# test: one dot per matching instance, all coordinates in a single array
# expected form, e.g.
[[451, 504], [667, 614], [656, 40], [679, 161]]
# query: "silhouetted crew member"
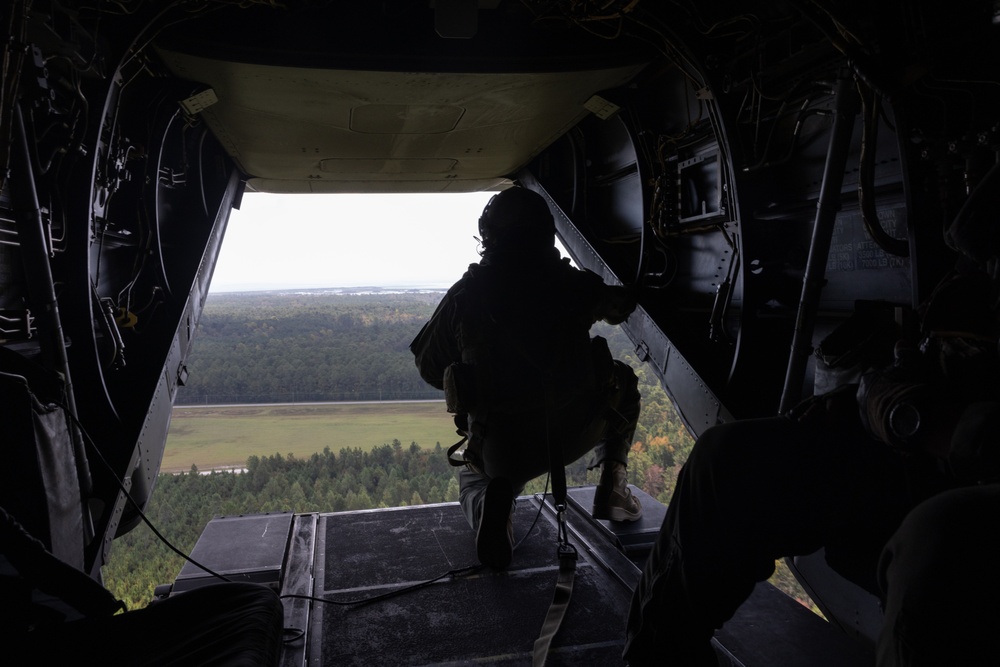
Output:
[[898, 478], [510, 345]]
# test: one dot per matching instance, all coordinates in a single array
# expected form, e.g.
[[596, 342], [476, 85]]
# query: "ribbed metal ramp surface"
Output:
[[488, 616], [491, 617]]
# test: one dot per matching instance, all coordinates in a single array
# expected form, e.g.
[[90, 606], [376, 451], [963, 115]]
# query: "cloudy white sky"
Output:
[[308, 241]]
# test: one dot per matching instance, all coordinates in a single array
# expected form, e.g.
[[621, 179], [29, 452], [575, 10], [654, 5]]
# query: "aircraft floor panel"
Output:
[[490, 616], [484, 616]]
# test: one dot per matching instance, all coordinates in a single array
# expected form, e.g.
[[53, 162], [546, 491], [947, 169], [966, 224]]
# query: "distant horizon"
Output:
[[248, 288], [352, 289]]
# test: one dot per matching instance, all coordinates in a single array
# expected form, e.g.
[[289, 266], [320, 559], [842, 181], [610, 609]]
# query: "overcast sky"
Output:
[[307, 241]]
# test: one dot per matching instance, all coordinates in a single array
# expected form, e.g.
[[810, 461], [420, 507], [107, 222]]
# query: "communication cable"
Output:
[[121, 486], [461, 571]]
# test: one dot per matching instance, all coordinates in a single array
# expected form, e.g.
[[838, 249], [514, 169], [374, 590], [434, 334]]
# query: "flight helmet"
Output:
[[516, 217]]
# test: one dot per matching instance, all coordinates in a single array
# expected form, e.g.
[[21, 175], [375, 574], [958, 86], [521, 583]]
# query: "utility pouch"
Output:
[[460, 387]]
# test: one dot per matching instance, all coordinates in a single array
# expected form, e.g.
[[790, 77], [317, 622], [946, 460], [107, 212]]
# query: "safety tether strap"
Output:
[[560, 602], [565, 551]]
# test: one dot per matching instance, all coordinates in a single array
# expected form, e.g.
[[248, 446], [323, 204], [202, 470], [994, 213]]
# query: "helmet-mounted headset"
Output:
[[516, 215]]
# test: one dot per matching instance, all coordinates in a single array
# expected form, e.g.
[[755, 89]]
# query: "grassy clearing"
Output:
[[216, 437]]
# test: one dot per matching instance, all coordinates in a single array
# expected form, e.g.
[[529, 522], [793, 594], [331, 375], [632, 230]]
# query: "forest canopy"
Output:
[[276, 347]]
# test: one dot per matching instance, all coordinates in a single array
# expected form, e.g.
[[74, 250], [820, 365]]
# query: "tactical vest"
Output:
[[525, 340]]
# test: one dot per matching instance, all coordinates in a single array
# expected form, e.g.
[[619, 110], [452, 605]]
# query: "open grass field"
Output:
[[224, 436]]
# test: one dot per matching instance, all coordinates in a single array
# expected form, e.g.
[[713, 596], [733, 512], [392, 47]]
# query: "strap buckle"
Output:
[[564, 549], [566, 552]]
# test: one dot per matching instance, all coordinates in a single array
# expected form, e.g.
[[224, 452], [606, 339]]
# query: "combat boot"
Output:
[[613, 498]]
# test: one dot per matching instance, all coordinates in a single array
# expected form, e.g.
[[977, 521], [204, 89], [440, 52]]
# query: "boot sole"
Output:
[[615, 514], [604, 510]]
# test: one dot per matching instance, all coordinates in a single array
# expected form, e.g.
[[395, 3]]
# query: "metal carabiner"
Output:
[[564, 549]]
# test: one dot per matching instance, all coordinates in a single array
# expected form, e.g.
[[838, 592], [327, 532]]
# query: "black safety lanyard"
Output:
[[565, 551]]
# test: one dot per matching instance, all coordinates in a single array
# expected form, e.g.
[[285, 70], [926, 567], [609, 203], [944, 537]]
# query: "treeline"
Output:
[[276, 347], [287, 348]]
